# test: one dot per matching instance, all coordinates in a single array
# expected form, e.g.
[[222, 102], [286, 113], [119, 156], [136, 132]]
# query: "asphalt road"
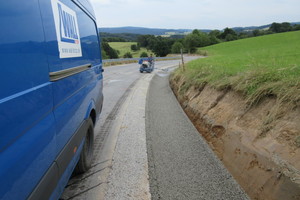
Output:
[[119, 83], [145, 146]]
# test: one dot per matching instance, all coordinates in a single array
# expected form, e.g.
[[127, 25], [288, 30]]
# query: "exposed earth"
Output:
[[261, 151]]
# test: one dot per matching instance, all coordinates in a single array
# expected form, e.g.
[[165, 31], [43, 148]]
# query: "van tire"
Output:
[[86, 155]]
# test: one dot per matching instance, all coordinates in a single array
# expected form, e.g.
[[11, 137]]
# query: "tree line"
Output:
[[163, 46], [118, 37]]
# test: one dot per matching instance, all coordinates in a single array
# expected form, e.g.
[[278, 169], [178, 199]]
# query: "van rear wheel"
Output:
[[86, 155]]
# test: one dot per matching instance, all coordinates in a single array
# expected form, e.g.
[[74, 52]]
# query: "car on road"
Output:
[[50, 95]]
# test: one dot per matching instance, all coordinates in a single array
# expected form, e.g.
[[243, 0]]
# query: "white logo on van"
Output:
[[67, 31]]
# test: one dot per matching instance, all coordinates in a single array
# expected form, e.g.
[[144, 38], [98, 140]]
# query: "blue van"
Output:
[[50, 95]]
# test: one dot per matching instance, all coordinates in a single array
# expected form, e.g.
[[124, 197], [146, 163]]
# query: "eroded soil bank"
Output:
[[262, 154]]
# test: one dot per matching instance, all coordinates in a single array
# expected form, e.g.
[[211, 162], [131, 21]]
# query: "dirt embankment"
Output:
[[263, 154]]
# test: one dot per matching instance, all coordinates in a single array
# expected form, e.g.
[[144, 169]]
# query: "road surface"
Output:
[[181, 164], [146, 147]]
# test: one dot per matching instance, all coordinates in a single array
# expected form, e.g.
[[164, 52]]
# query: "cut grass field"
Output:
[[124, 47], [256, 67]]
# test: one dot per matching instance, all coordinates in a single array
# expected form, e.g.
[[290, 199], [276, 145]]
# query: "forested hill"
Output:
[[142, 30], [119, 37], [158, 31], [252, 28]]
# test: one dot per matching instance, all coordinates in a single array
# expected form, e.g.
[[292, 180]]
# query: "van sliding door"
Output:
[[27, 131], [74, 62]]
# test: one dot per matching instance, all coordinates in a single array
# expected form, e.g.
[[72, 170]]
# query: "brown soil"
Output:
[[260, 151]]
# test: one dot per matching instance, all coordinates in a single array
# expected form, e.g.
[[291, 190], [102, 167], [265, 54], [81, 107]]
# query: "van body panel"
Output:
[[25, 161], [42, 119], [21, 48], [57, 176], [70, 113], [72, 95], [45, 187], [27, 125], [31, 106]]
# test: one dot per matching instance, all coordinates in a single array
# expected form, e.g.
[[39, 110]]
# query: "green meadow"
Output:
[[256, 67], [124, 47]]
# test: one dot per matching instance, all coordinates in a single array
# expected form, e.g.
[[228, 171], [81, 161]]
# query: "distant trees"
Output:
[[214, 36], [200, 39], [127, 55], [109, 52], [256, 32], [283, 27], [191, 42], [143, 55], [296, 27], [103, 54], [203, 38], [228, 35], [118, 37], [134, 47], [176, 47], [162, 46], [114, 39], [159, 45], [275, 28], [145, 40], [278, 28], [215, 33]]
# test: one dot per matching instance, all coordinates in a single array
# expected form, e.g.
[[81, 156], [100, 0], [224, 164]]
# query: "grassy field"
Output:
[[124, 47], [256, 67]]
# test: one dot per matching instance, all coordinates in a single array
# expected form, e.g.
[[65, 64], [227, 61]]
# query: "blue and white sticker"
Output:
[[67, 31]]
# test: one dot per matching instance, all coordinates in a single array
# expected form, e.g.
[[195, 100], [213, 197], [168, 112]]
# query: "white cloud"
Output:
[[100, 2]]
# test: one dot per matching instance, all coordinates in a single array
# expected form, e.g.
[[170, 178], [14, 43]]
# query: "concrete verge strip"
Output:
[[128, 178]]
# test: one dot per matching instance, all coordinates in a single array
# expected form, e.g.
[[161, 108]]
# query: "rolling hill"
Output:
[[143, 30], [159, 31]]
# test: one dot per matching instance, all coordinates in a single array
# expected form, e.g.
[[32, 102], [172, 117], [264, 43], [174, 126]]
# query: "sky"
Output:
[[194, 14]]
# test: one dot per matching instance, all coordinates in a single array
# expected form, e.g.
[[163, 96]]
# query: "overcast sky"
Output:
[[194, 14]]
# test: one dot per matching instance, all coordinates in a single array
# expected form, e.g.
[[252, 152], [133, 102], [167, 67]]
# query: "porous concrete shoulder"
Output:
[[128, 178], [181, 164]]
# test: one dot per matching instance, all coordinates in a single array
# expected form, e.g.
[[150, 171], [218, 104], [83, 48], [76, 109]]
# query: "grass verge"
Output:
[[256, 67], [124, 47]]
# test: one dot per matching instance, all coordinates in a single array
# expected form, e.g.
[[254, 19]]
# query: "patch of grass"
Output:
[[202, 52], [256, 67], [124, 47]]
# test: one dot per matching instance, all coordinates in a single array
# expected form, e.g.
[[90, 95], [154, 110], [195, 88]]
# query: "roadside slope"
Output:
[[267, 167], [244, 99]]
